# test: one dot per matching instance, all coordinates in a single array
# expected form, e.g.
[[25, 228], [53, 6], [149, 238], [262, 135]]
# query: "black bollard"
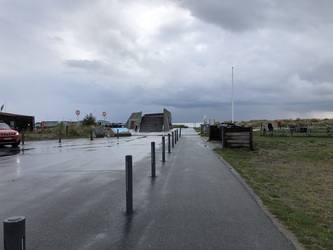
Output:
[[180, 132], [175, 136], [22, 138], [129, 184], [91, 135], [169, 144], [14, 233], [163, 148], [173, 140], [153, 161]]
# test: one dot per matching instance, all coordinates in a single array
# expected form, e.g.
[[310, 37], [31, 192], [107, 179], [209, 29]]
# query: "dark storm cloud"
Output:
[[237, 15], [240, 15]]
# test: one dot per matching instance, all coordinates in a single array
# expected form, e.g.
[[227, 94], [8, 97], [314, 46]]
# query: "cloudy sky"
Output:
[[275, 57]]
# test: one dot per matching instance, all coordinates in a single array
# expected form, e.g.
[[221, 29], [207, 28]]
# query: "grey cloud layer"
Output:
[[102, 55]]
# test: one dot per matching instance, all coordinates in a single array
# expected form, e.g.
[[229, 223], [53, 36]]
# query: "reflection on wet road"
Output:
[[107, 153], [48, 182], [73, 193]]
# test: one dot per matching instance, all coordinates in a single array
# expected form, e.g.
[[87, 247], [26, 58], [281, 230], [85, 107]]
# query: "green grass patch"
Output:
[[293, 176]]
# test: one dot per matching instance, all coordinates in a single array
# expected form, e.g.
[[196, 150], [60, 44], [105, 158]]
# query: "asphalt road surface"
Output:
[[72, 195]]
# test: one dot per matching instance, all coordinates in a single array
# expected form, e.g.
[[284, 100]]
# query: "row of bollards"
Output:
[[14, 227], [129, 172]]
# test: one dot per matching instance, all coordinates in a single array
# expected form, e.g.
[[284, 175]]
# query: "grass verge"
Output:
[[294, 179]]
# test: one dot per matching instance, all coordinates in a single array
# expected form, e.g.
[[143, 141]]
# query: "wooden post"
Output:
[[223, 137]]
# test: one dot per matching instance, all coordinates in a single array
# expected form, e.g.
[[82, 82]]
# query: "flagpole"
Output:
[[232, 97]]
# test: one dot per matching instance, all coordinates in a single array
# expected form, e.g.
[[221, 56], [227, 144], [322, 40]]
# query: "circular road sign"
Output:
[[104, 114], [77, 112]]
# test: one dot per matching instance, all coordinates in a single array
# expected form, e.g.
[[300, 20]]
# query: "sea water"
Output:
[[188, 124]]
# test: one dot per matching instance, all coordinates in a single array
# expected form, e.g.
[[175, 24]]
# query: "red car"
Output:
[[9, 136]]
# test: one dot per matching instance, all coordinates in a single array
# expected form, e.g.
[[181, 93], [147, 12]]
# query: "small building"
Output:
[[134, 121], [103, 123], [18, 122], [52, 124], [156, 122]]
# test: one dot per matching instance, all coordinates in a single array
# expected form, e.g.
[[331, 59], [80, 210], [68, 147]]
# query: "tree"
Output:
[[89, 120]]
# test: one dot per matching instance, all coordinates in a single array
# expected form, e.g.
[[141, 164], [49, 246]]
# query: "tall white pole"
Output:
[[232, 97]]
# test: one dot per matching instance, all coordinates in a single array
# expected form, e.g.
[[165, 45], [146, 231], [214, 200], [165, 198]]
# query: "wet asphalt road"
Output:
[[72, 192], [73, 197]]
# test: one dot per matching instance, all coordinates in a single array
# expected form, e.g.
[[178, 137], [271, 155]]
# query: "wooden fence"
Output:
[[232, 137], [237, 137]]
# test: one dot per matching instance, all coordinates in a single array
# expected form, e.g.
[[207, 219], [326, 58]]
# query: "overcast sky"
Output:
[[124, 56]]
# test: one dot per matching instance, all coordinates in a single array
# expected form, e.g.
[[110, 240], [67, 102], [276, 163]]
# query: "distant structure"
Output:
[[134, 121], [156, 122], [52, 124], [18, 122]]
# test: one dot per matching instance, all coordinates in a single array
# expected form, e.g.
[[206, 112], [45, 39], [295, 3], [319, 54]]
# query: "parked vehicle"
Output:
[[9, 136]]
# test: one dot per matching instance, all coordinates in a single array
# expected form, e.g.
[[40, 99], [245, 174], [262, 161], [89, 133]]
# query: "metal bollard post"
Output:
[[163, 148], [14, 233], [153, 161], [129, 184], [67, 131], [175, 136], [169, 144], [91, 135], [22, 138], [180, 132], [173, 140]]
